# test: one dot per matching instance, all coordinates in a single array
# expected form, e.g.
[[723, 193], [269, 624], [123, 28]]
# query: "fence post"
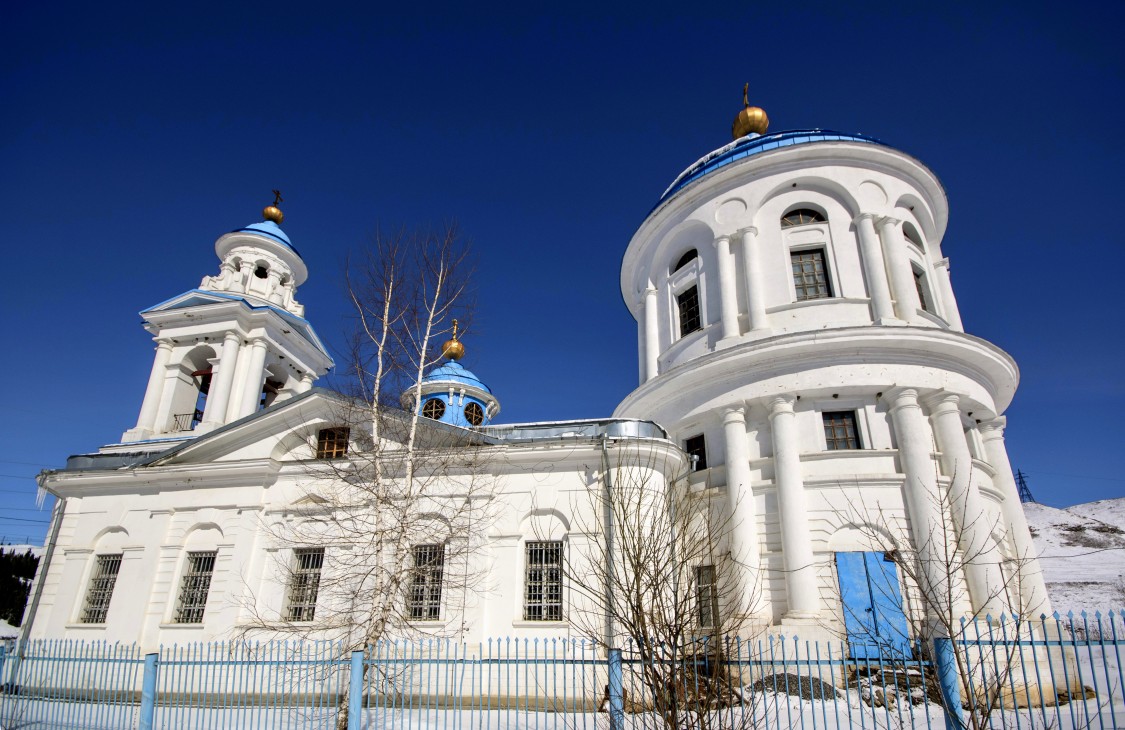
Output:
[[616, 692], [355, 692], [950, 683], [148, 692]]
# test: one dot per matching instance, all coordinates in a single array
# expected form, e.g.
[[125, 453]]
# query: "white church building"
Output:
[[800, 354]]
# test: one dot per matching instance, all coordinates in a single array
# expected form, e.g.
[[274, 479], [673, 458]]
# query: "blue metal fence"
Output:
[[1058, 672]]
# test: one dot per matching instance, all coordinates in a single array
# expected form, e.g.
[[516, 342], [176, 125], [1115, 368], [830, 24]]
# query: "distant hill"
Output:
[[1082, 551]]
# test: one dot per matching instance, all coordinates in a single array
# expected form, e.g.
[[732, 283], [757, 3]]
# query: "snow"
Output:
[[1082, 553]]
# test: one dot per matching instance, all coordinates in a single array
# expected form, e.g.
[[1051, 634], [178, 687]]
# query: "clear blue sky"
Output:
[[132, 137]]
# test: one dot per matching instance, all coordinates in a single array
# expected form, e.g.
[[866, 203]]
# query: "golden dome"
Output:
[[751, 119], [453, 349], [271, 212]]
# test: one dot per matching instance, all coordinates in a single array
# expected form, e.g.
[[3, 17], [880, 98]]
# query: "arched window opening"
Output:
[[474, 414], [684, 260], [433, 408], [261, 272], [800, 217], [911, 234]]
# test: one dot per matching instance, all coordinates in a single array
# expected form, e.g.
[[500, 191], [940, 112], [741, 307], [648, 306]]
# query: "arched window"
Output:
[[800, 217], [433, 408], [911, 235], [684, 260]]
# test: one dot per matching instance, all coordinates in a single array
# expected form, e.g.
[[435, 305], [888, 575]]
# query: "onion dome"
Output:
[[751, 120], [271, 212]]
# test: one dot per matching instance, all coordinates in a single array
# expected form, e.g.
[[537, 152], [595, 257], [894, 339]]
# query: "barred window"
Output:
[[688, 304], [696, 448], [474, 414], [433, 408], [840, 431], [194, 587], [706, 596], [100, 589], [304, 584], [542, 597], [800, 217], [424, 603], [810, 277], [332, 443]]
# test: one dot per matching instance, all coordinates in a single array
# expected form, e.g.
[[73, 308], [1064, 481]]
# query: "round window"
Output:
[[433, 408], [474, 414]]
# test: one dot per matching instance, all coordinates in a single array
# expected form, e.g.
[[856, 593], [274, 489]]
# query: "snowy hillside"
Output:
[[1082, 551]]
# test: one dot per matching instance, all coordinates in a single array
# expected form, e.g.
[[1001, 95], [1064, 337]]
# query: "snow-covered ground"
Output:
[[1082, 551]]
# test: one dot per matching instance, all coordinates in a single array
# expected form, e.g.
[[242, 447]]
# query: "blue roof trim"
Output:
[[757, 145], [300, 323], [453, 372], [264, 229]]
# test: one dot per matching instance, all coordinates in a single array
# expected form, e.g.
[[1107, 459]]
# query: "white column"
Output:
[[728, 299], [796, 541], [219, 396], [902, 276], [874, 269], [652, 334], [945, 293], [306, 383], [146, 422], [744, 527], [755, 292], [1033, 589], [255, 377], [979, 554], [915, 453]]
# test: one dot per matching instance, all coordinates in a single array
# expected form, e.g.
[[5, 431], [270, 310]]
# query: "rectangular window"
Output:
[[194, 587], [304, 584], [332, 443], [101, 589], [542, 585], [696, 448], [425, 585], [810, 277], [920, 285], [840, 431], [706, 596], [688, 304]]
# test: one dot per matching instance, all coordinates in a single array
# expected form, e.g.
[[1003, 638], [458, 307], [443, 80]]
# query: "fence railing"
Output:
[[1053, 673]]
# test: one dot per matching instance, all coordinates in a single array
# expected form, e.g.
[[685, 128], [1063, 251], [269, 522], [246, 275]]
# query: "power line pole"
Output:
[[1025, 491]]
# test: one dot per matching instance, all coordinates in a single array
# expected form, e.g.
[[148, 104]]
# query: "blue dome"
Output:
[[270, 229], [748, 146], [454, 372]]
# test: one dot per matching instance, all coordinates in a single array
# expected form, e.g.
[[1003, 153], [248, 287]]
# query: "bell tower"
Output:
[[237, 343]]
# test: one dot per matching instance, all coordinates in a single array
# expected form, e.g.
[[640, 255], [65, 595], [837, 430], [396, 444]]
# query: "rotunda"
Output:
[[452, 394], [799, 335]]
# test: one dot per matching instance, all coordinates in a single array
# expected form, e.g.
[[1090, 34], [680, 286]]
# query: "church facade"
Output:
[[801, 359]]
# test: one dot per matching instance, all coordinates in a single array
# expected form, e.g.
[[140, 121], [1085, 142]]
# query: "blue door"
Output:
[[873, 615]]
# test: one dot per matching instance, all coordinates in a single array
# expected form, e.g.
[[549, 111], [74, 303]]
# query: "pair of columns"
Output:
[[942, 552], [887, 268]]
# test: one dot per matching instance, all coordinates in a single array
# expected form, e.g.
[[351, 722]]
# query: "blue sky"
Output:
[[133, 136]]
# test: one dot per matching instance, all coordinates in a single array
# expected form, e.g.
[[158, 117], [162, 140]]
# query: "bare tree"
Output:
[[655, 577], [379, 544]]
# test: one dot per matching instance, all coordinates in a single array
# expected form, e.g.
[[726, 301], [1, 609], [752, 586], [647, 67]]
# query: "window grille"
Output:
[[543, 581], [696, 447], [810, 278], [332, 443], [684, 260], [474, 414], [424, 603], [304, 584], [800, 217], [688, 304], [433, 408], [706, 596], [840, 431], [101, 589], [920, 285], [194, 587]]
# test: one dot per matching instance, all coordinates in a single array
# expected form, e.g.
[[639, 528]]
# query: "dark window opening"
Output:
[[474, 414], [923, 294], [270, 389], [433, 408], [800, 217], [304, 584], [100, 590], [840, 431], [688, 304], [696, 448], [332, 443], [424, 603], [261, 272], [194, 587], [542, 585], [684, 260], [810, 277], [706, 596]]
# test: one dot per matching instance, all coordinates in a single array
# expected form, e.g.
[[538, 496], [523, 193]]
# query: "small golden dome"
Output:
[[751, 119], [453, 349], [271, 212]]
